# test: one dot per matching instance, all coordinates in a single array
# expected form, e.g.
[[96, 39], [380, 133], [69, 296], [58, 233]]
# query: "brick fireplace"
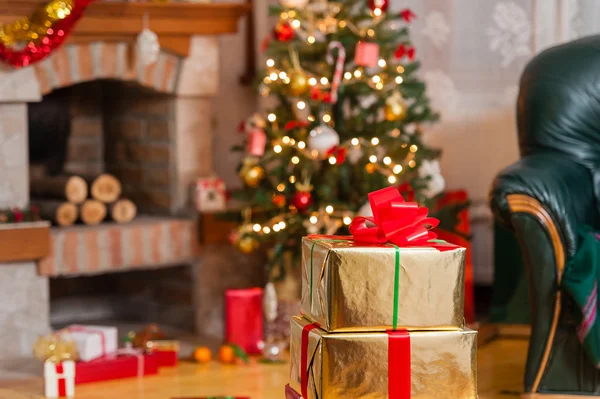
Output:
[[149, 126]]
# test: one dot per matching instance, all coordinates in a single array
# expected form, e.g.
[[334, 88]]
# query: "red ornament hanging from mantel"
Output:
[[36, 50]]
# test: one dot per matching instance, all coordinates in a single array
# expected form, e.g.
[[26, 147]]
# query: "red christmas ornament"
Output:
[[283, 32], [366, 54], [302, 200], [408, 15], [18, 215], [279, 200], [381, 4]]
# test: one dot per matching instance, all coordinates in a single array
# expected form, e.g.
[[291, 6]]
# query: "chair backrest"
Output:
[[559, 102]]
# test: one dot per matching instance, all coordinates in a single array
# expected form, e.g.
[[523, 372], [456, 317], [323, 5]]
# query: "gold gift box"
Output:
[[443, 364], [353, 286]]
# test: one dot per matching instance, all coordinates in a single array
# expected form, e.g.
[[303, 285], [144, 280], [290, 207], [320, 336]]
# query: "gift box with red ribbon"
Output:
[[124, 364], [166, 351], [94, 342], [59, 379], [211, 195], [391, 273], [394, 364]]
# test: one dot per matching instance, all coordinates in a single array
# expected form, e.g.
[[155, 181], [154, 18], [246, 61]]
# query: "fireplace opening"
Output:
[[114, 272], [132, 298]]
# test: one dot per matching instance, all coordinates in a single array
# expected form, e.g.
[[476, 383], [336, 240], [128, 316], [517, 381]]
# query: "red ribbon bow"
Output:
[[408, 15], [403, 50], [394, 221], [338, 152]]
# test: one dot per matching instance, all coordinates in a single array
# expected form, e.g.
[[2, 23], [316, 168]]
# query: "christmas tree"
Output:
[[348, 119]]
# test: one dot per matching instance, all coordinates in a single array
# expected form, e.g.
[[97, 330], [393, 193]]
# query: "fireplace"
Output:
[[149, 126]]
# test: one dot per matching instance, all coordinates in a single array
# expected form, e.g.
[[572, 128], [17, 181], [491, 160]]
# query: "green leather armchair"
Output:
[[544, 197]]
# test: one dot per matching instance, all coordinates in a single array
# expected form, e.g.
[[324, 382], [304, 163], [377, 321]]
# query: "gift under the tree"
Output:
[[354, 287], [116, 366], [59, 379], [94, 342], [390, 274], [166, 351], [394, 364]]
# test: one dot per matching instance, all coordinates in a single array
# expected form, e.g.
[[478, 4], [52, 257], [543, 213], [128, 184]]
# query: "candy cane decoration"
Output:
[[339, 67]]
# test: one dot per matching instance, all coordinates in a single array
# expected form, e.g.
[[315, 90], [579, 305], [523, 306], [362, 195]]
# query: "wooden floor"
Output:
[[501, 364]]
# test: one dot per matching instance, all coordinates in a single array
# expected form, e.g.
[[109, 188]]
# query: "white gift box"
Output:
[[59, 379], [210, 195], [94, 341]]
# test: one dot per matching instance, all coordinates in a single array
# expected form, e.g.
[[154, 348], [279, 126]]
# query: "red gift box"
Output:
[[367, 54], [166, 351], [244, 318], [115, 367]]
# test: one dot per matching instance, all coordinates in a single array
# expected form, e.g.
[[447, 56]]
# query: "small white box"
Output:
[[59, 379], [94, 341], [210, 195]]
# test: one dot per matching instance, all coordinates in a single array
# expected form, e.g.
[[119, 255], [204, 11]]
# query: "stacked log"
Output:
[[66, 199]]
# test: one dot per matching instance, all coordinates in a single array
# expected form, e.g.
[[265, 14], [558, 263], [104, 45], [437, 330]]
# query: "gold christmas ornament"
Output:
[[298, 83], [247, 245], [253, 176], [395, 108], [56, 348]]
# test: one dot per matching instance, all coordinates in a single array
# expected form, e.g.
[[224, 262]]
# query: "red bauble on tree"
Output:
[[302, 200], [283, 32], [381, 4]]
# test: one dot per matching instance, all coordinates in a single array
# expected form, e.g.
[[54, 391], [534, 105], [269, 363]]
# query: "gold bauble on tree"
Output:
[[395, 108], [298, 83], [247, 245], [253, 175]]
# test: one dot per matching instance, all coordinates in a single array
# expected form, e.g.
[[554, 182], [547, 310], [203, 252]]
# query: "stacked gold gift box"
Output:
[[382, 322]]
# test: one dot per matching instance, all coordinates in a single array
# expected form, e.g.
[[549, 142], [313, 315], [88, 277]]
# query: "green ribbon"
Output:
[[396, 277]]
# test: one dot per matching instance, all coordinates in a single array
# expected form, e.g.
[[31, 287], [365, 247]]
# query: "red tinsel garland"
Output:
[[56, 36]]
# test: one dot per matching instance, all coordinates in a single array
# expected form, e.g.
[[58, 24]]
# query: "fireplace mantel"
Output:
[[174, 23]]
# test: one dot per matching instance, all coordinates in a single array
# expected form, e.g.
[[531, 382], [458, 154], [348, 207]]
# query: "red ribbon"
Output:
[[399, 364], [394, 221], [403, 50], [62, 380], [304, 359]]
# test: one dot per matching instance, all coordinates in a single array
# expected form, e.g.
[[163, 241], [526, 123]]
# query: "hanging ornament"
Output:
[[381, 4], [322, 138], [254, 176], [339, 68], [146, 45], [247, 244], [256, 141], [298, 84], [297, 4], [366, 54], [302, 198], [338, 153], [395, 107], [298, 80], [251, 173], [283, 31], [279, 200]]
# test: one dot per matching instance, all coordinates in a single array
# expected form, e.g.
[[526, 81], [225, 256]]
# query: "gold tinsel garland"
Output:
[[34, 28]]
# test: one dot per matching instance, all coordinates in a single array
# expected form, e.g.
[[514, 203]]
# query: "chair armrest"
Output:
[[563, 187]]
